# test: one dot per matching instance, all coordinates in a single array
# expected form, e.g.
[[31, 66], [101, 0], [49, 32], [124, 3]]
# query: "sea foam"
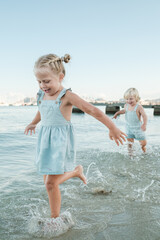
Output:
[[50, 227]]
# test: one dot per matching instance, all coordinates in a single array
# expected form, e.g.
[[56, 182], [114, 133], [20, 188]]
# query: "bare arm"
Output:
[[144, 117], [88, 108], [119, 112], [31, 127]]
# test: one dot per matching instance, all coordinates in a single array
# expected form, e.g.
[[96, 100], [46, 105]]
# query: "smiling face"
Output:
[[131, 100], [131, 96], [48, 81]]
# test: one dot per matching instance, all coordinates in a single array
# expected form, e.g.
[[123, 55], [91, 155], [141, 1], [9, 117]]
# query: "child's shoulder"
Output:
[[73, 99], [68, 96], [139, 107], [69, 93]]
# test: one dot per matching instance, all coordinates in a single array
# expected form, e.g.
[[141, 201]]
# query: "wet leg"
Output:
[[143, 145], [130, 142], [77, 172], [52, 185], [54, 195]]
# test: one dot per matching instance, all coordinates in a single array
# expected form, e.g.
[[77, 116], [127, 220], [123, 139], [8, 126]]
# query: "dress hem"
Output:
[[138, 139]]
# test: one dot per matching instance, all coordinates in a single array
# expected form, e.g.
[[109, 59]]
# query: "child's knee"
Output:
[[50, 185]]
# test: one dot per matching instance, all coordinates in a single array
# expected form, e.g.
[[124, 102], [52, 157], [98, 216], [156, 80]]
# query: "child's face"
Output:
[[131, 100], [49, 82]]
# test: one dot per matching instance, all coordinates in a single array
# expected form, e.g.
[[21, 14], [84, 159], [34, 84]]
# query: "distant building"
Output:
[[27, 100], [100, 100], [122, 100]]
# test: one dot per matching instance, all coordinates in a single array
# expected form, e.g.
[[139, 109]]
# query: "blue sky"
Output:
[[114, 44]]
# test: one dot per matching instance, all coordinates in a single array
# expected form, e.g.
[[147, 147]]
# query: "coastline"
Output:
[[120, 104]]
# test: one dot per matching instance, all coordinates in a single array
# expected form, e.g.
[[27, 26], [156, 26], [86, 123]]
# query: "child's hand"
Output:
[[143, 127], [117, 135], [30, 127], [115, 116]]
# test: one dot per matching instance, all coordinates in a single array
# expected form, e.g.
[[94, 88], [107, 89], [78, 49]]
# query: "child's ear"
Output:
[[61, 76]]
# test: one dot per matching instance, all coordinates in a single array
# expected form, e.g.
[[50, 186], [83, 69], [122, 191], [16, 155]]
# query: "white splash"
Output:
[[142, 192], [50, 227]]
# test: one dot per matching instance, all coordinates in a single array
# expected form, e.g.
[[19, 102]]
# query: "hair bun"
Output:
[[66, 58]]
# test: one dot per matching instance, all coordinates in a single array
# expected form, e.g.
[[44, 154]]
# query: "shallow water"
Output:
[[120, 201]]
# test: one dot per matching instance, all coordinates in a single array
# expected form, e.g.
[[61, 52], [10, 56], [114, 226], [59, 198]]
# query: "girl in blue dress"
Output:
[[55, 156]]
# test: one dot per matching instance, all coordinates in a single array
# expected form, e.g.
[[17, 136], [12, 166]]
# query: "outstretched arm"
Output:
[[119, 112], [114, 134], [31, 127]]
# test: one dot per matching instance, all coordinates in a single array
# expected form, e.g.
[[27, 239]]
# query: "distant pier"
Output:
[[112, 108], [122, 105]]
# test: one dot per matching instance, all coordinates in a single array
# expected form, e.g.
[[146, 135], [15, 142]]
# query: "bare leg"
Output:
[[78, 172], [130, 141], [44, 178], [54, 195], [143, 145], [52, 185]]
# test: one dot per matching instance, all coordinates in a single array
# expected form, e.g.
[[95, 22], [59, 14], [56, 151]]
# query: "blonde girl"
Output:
[[134, 115], [55, 157]]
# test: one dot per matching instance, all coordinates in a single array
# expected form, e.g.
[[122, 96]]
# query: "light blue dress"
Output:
[[133, 125], [55, 152]]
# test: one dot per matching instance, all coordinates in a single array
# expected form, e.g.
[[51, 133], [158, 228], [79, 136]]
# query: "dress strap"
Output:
[[136, 107], [62, 93], [39, 97], [127, 107]]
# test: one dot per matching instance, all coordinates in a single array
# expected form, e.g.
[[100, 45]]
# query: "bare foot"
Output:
[[144, 149], [79, 173]]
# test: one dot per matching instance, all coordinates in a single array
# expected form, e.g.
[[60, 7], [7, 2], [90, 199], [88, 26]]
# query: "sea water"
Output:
[[120, 201]]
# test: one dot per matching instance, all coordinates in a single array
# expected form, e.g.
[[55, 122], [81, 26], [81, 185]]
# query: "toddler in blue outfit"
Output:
[[135, 129], [55, 156]]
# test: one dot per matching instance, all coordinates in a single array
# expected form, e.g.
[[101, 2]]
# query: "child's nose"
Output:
[[42, 84]]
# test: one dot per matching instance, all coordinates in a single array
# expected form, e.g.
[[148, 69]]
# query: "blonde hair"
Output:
[[132, 92], [53, 62]]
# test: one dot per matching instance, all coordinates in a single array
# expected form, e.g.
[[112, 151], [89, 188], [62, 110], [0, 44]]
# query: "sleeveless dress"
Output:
[[55, 152], [133, 125]]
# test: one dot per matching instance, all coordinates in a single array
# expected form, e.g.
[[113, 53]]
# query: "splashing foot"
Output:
[[79, 173], [144, 149]]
